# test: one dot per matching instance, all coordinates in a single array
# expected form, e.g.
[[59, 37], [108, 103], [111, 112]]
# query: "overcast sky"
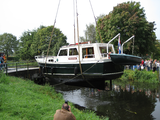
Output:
[[17, 16]]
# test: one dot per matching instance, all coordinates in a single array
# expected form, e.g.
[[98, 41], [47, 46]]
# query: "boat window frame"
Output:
[[87, 54], [73, 52], [66, 54], [103, 53], [110, 50]]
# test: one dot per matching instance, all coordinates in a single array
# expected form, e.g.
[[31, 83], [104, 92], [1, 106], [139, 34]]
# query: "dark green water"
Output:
[[126, 101]]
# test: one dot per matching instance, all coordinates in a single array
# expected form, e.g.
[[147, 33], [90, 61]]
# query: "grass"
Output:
[[24, 100]]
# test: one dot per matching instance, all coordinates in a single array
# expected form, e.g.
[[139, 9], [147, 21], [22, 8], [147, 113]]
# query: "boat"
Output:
[[85, 64], [125, 59]]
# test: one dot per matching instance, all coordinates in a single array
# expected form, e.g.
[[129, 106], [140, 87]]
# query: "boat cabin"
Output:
[[94, 51], [88, 52]]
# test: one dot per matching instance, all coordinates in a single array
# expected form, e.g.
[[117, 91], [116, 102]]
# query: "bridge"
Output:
[[21, 69]]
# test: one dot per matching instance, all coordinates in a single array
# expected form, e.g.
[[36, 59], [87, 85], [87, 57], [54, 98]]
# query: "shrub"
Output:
[[140, 76]]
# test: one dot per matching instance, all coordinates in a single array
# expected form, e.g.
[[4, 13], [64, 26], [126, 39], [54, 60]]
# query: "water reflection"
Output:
[[125, 101]]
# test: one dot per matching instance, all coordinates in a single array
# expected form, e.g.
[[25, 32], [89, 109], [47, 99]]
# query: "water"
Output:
[[124, 102]]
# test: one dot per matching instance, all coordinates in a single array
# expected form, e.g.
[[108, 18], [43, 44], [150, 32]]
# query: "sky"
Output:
[[18, 16]]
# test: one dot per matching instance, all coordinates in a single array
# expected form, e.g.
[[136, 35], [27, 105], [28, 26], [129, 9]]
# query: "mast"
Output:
[[74, 22]]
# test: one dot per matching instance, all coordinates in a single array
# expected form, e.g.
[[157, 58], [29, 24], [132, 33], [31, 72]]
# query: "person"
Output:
[[148, 65], [64, 113], [139, 67], [4, 60], [145, 64], [1, 62], [142, 62], [158, 65], [154, 66], [151, 62]]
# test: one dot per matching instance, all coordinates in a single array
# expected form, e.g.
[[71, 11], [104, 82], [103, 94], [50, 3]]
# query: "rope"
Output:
[[78, 41], [78, 76], [52, 33], [96, 22]]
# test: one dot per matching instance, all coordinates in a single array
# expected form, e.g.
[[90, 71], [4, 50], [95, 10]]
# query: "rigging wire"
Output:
[[74, 22], [96, 22], [52, 32]]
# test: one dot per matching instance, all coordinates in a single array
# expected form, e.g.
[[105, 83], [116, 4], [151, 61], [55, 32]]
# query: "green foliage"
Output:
[[9, 43], [24, 100], [42, 39], [145, 76], [37, 41], [140, 76], [90, 34], [13, 59], [128, 19], [26, 39], [156, 53], [128, 75]]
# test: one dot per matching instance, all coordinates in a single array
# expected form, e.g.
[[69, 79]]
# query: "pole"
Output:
[[159, 74], [16, 68], [6, 68], [110, 84]]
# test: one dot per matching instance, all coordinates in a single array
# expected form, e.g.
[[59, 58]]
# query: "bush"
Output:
[[13, 58], [140, 76], [146, 76]]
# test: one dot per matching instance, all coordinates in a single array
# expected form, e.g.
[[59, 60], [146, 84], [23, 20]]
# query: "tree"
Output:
[[100, 16], [128, 19], [26, 41], [42, 38], [156, 53], [9, 43], [90, 34]]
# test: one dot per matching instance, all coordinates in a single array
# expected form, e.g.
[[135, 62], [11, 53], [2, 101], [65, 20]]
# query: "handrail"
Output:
[[17, 65], [126, 42], [111, 41]]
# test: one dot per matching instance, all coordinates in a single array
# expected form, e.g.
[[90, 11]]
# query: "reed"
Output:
[[24, 100]]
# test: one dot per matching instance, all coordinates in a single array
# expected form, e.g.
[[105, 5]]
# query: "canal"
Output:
[[126, 101]]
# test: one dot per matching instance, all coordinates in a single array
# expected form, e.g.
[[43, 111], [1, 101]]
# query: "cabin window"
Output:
[[63, 52], [88, 52], [103, 51], [73, 51], [110, 49]]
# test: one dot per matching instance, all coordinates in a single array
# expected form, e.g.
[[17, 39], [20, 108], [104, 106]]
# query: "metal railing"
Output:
[[19, 66], [126, 42]]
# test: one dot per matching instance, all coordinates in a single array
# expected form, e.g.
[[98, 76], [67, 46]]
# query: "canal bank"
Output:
[[129, 101], [23, 99]]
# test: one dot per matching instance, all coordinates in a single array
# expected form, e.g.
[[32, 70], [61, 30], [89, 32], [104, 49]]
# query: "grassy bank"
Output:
[[140, 76], [24, 100]]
